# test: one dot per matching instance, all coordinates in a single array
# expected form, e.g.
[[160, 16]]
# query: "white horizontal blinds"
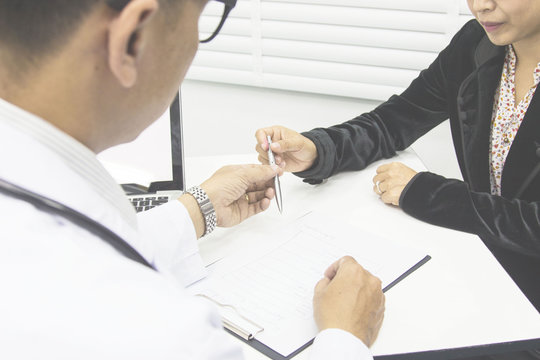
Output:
[[229, 57], [360, 48]]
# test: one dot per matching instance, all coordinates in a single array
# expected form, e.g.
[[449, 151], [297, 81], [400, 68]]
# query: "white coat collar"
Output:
[[39, 157]]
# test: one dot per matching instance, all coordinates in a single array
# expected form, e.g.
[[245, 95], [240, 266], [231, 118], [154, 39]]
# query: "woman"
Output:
[[484, 82]]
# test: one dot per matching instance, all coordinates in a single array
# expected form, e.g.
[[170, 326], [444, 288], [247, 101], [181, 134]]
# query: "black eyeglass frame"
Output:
[[229, 5]]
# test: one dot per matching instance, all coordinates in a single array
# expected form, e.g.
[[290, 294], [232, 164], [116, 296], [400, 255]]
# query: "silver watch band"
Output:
[[207, 209]]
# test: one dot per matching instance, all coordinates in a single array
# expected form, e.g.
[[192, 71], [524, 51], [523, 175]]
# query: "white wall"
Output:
[[222, 119]]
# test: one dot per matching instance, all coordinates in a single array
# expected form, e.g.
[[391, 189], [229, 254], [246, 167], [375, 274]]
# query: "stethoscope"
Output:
[[53, 207]]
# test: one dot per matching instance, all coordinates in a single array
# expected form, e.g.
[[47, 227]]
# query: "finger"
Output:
[[322, 284], [380, 177], [259, 176], [270, 193], [385, 167], [261, 135], [255, 196], [384, 186], [262, 153], [388, 197], [333, 269], [263, 159], [258, 207]]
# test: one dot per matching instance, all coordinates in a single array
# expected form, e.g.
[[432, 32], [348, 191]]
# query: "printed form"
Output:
[[270, 293]]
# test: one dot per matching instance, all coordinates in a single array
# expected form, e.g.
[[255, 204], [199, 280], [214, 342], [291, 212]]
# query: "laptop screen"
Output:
[[155, 159]]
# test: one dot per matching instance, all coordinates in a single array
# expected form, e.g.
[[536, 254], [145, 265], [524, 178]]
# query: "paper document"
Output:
[[271, 286]]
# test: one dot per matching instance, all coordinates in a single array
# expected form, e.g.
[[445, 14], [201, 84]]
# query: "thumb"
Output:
[[258, 176]]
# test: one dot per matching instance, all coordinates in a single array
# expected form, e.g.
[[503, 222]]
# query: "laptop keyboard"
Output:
[[147, 202]]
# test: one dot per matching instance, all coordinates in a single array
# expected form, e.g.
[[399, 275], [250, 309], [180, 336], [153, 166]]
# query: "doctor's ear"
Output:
[[126, 39]]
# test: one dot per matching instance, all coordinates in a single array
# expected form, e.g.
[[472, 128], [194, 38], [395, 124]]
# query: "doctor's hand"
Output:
[[293, 151], [351, 299], [390, 181], [236, 192], [240, 191]]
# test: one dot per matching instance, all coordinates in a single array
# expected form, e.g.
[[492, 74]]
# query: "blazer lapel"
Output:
[[475, 102], [522, 158]]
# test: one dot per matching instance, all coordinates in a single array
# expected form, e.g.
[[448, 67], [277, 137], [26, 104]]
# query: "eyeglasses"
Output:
[[214, 15]]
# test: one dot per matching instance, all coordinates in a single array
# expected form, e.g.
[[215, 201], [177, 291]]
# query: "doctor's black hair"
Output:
[[32, 28]]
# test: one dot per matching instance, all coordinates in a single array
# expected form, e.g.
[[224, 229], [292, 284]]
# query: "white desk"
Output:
[[460, 298]]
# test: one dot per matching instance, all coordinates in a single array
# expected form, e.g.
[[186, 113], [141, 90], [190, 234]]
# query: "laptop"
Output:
[[151, 168]]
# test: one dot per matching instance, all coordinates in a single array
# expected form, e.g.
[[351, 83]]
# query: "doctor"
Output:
[[77, 77]]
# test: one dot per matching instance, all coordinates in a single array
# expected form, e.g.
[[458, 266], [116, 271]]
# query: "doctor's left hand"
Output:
[[390, 181], [240, 191]]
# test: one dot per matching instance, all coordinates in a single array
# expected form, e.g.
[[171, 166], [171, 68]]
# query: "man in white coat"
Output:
[[77, 77]]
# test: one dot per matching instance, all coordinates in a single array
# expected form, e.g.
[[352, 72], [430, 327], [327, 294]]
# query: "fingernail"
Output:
[[274, 167]]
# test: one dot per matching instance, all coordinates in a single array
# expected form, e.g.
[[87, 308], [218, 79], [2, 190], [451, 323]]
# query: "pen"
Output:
[[277, 185]]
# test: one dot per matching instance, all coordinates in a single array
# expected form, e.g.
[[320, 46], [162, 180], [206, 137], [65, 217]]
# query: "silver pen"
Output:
[[277, 185]]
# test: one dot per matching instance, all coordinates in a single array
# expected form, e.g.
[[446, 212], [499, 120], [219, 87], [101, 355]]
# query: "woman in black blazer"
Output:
[[484, 82]]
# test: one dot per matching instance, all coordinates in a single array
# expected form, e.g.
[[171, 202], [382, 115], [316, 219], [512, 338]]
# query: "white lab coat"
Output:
[[66, 294]]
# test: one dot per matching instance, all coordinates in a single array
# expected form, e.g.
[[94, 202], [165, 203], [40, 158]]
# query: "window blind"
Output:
[[366, 49]]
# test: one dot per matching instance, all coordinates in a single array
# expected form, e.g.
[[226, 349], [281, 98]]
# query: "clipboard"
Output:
[[250, 339], [309, 242]]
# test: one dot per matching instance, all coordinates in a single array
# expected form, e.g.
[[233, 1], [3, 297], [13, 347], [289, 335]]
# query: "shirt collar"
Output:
[[75, 156], [511, 59]]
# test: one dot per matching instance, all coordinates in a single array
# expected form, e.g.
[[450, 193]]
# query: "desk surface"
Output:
[[461, 298]]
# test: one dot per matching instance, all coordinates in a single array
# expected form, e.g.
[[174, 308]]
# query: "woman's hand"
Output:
[[390, 181], [293, 151]]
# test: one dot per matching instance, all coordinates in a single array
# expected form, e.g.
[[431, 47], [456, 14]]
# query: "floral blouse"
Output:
[[507, 117]]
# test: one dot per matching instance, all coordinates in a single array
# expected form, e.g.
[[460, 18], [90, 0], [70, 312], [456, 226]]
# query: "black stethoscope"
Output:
[[53, 207]]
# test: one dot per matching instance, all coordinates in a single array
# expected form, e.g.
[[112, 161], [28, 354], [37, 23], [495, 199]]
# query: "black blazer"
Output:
[[459, 85]]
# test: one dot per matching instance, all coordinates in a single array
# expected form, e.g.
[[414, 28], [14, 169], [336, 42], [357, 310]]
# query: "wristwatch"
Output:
[[207, 209]]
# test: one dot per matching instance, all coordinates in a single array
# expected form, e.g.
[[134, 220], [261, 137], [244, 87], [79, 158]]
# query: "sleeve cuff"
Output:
[[323, 166], [339, 344], [406, 189], [169, 232]]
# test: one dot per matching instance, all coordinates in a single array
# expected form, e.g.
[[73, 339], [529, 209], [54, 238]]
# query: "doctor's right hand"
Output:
[[351, 299], [293, 151], [236, 193]]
